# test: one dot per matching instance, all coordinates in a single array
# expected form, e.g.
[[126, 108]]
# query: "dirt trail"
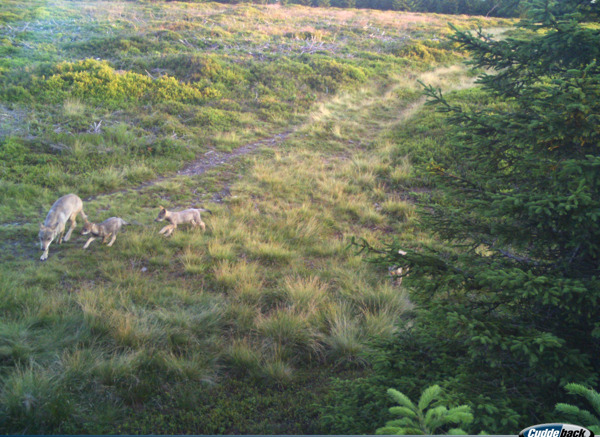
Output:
[[213, 158], [205, 162], [343, 105]]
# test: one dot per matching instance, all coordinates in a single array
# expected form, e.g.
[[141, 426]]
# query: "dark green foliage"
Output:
[[234, 407], [355, 406], [413, 359], [343, 3], [492, 8], [509, 304]]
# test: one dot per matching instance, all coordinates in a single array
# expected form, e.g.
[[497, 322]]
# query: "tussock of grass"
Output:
[[73, 107], [344, 341], [399, 209], [401, 173], [241, 316], [33, 398], [305, 294], [277, 372], [269, 251], [381, 324], [241, 279], [289, 334], [221, 251], [192, 261], [243, 358]]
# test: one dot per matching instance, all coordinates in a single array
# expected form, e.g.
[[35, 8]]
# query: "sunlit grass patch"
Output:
[[193, 262], [242, 279], [380, 325], [305, 294], [269, 251], [356, 208], [128, 276], [304, 226], [399, 209], [385, 296], [138, 173], [221, 251], [141, 242], [227, 141], [134, 328], [402, 172], [73, 107], [108, 179]]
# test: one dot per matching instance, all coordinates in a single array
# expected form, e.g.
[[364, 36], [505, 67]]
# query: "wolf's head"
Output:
[[46, 235], [161, 215], [87, 228]]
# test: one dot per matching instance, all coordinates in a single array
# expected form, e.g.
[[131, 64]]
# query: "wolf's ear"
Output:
[[161, 207], [42, 227]]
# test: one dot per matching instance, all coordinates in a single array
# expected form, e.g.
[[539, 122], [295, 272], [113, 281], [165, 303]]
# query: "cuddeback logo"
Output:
[[556, 430]]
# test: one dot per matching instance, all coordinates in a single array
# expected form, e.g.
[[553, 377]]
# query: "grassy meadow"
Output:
[[241, 328]]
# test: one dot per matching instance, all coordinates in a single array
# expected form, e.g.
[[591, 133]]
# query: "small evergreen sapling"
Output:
[[415, 420], [578, 416]]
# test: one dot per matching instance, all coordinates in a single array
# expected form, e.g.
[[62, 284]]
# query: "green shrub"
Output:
[[330, 75], [414, 420], [97, 82]]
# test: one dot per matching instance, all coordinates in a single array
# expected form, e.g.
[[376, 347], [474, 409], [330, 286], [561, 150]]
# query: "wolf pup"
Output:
[[108, 228], [65, 208], [179, 217]]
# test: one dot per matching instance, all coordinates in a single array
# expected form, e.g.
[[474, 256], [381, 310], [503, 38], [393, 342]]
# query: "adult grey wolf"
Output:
[[65, 208], [175, 218], [108, 228]]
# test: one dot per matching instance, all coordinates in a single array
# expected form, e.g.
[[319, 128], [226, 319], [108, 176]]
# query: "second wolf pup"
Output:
[[175, 218], [108, 228]]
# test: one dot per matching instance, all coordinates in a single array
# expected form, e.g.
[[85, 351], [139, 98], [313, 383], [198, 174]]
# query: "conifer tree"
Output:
[[415, 420], [511, 304]]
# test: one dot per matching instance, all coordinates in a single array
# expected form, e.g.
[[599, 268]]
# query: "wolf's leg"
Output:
[[112, 240], [89, 242], [44, 256], [203, 226], [165, 229], [173, 227], [105, 238], [73, 224]]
